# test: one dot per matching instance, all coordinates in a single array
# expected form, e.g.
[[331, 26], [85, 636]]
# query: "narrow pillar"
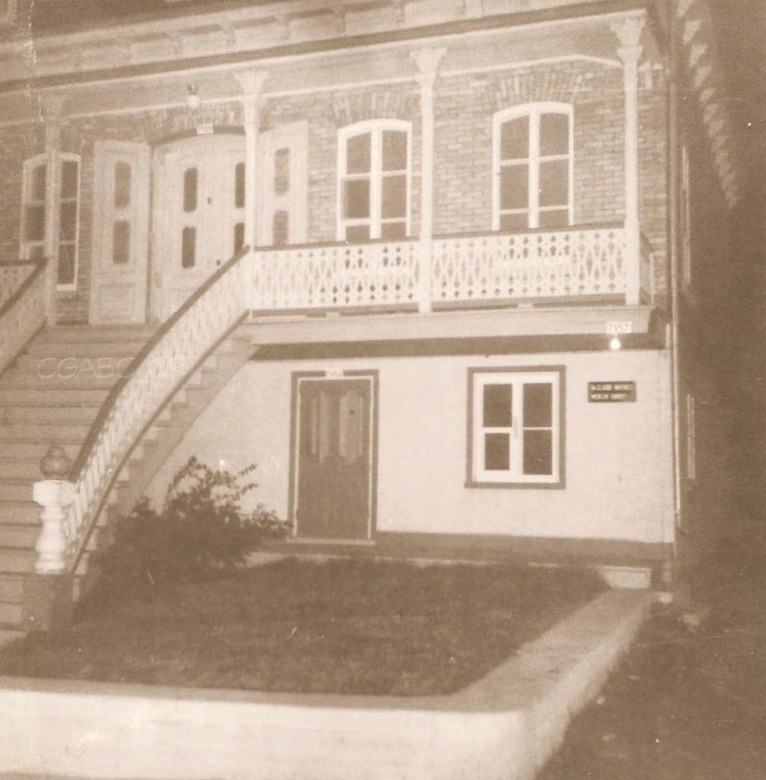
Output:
[[428, 61], [629, 34], [53, 107]]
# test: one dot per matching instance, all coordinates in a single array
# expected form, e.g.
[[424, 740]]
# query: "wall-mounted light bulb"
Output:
[[615, 343], [193, 100]]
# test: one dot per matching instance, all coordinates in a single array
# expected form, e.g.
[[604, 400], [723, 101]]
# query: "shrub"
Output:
[[200, 529]]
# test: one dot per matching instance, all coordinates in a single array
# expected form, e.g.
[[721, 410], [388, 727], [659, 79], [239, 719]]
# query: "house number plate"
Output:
[[611, 392]]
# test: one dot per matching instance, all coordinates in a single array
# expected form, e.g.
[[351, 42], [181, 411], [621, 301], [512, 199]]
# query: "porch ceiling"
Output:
[[306, 66]]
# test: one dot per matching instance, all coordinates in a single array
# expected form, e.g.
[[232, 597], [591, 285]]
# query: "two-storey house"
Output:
[[425, 262]]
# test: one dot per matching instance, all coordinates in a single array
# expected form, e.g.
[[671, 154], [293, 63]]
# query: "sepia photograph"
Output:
[[382, 390]]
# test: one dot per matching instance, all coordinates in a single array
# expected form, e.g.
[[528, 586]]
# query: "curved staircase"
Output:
[[52, 395]]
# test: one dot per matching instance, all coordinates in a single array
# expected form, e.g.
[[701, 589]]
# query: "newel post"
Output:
[[428, 65], [629, 34], [48, 593]]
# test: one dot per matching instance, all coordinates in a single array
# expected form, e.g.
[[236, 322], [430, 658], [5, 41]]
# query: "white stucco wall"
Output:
[[618, 456]]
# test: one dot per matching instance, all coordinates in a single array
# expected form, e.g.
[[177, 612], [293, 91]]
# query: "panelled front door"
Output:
[[199, 223], [333, 466], [120, 232]]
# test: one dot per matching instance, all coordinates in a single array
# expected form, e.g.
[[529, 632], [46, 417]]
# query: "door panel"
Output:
[[334, 459], [283, 185], [120, 232], [199, 216]]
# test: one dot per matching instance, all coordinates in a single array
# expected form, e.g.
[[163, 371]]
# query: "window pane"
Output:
[[356, 199], [69, 170], [554, 134], [38, 182], [497, 452], [121, 243], [239, 185], [122, 174], [514, 139], [394, 150], [188, 247], [358, 233], [68, 224], [34, 223], [239, 236], [538, 405], [511, 222], [554, 183], [393, 231], [282, 172], [358, 154], [394, 196], [36, 252], [538, 452], [555, 218], [280, 228], [497, 411], [190, 189], [514, 187], [65, 273]]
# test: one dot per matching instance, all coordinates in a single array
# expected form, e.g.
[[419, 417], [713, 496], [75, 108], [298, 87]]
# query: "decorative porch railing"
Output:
[[329, 276], [23, 286], [573, 263], [152, 378]]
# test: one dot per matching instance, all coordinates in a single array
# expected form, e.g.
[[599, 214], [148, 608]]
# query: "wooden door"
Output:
[[283, 185], [199, 197], [120, 232], [334, 460]]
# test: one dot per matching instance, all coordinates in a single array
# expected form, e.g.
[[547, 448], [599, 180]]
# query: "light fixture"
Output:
[[615, 343], [193, 100]]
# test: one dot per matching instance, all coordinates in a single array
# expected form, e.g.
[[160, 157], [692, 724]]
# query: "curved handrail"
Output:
[[99, 460]]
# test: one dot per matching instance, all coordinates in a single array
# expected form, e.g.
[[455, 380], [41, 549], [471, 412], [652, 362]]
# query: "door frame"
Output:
[[333, 375]]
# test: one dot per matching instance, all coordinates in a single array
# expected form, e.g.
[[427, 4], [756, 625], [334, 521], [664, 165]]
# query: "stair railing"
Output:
[[153, 377], [23, 288]]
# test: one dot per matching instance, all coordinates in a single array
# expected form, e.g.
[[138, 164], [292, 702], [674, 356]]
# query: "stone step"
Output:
[[20, 468], [11, 587], [16, 512], [58, 351], [53, 396], [16, 561], [50, 414], [10, 450], [16, 490], [45, 433], [10, 613], [92, 333], [19, 536], [77, 373]]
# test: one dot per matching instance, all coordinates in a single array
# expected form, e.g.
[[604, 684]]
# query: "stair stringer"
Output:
[[157, 444]]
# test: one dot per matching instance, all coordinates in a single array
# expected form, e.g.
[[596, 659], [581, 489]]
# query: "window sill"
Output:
[[559, 485]]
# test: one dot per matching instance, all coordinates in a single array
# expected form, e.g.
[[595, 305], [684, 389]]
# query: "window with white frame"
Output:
[[533, 162], [35, 215], [516, 428], [374, 181]]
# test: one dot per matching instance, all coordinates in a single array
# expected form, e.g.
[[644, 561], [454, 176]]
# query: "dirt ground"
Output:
[[689, 700]]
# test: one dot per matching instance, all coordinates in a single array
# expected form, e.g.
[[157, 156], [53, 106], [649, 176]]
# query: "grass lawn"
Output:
[[342, 626]]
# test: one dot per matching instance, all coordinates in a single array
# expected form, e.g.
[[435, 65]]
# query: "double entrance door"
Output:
[[166, 218]]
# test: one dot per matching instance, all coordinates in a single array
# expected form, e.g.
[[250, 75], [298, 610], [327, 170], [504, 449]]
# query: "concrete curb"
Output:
[[503, 727]]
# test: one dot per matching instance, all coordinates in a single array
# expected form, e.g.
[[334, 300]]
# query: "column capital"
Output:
[[52, 105], [428, 61], [629, 33], [251, 82]]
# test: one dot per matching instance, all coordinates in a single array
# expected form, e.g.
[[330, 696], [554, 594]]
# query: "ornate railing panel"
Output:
[[156, 373], [23, 287], [551, 264], [336, 276]]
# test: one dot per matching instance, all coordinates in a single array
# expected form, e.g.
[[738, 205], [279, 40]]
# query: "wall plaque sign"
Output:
[[611, 392]]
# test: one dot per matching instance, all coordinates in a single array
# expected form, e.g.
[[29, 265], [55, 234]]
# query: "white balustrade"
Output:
[[22, 305], [196, 328], [517, 266], [336, 276]]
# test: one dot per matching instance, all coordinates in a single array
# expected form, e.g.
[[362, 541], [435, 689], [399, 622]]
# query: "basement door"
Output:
[[333, 468], [199, 215]]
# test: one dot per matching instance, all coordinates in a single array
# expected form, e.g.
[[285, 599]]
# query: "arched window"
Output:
[[533, 157], [34, 214], [374, 181]]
